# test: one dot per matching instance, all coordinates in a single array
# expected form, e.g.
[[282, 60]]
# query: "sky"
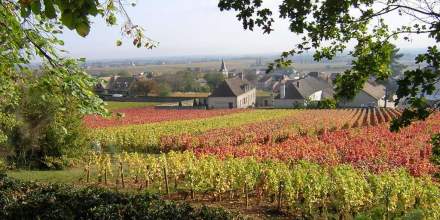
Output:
[[190, 28]]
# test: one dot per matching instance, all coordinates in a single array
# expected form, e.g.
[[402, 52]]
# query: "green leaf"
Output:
[[36, 6], [49, 9], [68, 20], [25, 12], [83, 29]]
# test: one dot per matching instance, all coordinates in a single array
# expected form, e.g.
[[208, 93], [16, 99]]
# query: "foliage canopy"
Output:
[[29, 32], [327, 27]]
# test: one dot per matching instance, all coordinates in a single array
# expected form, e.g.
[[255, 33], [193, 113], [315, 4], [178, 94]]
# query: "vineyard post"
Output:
[[387, 201], [105, 175], [246, 194], [280, 194], [166, 180], [121, 171], [88, 172], [147, 179]]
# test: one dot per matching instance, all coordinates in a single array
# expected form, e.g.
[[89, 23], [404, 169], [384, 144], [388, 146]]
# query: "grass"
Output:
[[48, 176], [190, 94], [122, 105], [263, 93]]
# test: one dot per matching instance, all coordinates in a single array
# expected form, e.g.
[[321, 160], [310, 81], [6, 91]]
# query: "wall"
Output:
[[287, 103], [148, 99], [381, 103], [316, 96], [238, 102], [221, 102], [260, 102], [247, 99], [362, 99], [180, 108]]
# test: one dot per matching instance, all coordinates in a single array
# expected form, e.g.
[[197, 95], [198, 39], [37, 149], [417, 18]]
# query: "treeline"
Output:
[[182, 81]]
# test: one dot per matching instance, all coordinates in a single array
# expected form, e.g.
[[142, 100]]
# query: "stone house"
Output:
[[299, 91], [265, 82], [100, 89], [121, 84], [233, 93], [371, 95]]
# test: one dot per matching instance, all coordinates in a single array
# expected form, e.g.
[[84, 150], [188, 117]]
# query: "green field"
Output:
[[48, 176]]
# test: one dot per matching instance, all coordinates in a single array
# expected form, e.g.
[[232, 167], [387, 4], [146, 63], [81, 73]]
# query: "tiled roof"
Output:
[[120, 83], [377, 91], [232, 88], [303, 88], [265, 78]]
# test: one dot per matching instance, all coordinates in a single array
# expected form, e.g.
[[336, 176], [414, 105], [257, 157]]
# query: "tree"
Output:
[[327, 27], [251, 76], [397, 67], [143, 87], [396, 73], [213, 79], [164, 90], [29, 29]]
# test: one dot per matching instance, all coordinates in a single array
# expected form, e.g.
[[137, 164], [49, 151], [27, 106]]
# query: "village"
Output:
[[281, 89]]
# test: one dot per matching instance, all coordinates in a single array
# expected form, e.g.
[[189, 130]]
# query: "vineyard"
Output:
[[145, 115], [307, 163], [306, 189], [147, 137]]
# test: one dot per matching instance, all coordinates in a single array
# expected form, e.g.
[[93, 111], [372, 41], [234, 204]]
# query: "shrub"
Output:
[[20, 200], [435, 158]]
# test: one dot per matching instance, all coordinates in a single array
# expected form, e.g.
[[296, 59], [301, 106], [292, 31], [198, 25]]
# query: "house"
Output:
[[264, 101], [300, 91], [120, 85], [100, 89], [265, 82], [371, 95], [233, 93]]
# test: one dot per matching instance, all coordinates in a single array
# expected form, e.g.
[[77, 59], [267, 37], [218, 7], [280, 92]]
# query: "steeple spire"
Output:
[[224, 69]]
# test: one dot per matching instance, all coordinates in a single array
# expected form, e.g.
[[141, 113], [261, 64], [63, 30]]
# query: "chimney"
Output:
[[283, 90]]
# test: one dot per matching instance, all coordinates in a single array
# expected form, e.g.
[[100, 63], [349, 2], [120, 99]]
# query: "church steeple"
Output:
[[224, 69]]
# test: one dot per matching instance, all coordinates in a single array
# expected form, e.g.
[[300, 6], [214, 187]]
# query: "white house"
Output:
[[299, 91], [233, 93], [371, 95]]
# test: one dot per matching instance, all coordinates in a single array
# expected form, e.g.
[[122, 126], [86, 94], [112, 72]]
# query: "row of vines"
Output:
[[304, 123], [373, 148], [146, 137], [304, 189], [259, 126]]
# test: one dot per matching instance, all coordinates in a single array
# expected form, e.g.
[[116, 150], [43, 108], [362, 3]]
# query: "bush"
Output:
[[19, 200], [327, 104], [435, 158]]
